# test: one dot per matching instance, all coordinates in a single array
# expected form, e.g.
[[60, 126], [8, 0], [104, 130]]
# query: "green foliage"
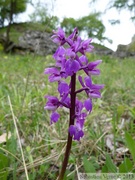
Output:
[[130, 144], [91, 25], [126, 166], [88, 166], [42, 16], [22, 78], [68, 24], [9, 8], [1, 47], [109, 166], [4, 163]]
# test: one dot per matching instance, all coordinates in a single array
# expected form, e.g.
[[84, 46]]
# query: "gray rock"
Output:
[[121, 51], [128, 50], [101, 51], [37, 42]]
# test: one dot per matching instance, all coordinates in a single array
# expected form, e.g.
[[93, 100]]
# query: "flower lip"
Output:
[[54, 117]]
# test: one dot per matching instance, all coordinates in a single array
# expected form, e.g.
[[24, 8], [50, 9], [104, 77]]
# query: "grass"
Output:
[[109, 129]]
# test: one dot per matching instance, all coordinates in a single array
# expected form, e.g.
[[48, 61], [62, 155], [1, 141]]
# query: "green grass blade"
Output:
[[130, 144]]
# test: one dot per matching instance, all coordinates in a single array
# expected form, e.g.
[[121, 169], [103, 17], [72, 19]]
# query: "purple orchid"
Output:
[[52, 103], [54, 117], [77, 130], [59, 37], [69, 59], [92, 90]]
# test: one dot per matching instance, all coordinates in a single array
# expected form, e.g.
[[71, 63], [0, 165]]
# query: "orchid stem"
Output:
[[71, 122]]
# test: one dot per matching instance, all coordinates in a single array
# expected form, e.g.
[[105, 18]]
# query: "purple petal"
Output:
[[52, 99], [50, 107], [54, 117], [97, 86], [95, 94], [72, 130], [54, 77], [83, 60], [51, 70], [63, 88], [92, 65], [52, 103], [59, 37], [86, 47], [78, 108], [71, 53], [81, 81], [80, 121], [94, 72], [76, 44], [88, 105], [72, 35], [71, 67], [59, 54], [77, 134], [66, 100], [88, 81]]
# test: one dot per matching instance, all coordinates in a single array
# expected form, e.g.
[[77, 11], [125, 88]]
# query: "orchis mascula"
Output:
[[70, 57], [68, 63]]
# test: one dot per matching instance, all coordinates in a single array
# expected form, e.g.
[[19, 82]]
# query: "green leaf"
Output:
[[88, 166], [126, 166], [130, 144], [3, 161], [3, 166], [120, 110], [110, 165], [104, 169]]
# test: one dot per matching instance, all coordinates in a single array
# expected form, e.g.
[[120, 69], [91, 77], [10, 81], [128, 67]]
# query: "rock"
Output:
[[126, 50], [121, 51], [37, 42], [101, 49]]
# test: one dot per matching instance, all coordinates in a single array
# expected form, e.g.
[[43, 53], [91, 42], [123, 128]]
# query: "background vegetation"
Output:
[[32, 149]]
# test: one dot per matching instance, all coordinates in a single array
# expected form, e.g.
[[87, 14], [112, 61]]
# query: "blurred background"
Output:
[[107, 22]]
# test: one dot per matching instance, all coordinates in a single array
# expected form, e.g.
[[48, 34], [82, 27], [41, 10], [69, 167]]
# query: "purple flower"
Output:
[[59, 37], [83, 61], [92, 90], [77, 130], [52, 103], [71, 67], [91, 68], [54, 117], [65, 101], [59, 56], [73, 34], [54, 74], [85, 46], [88, 104], [79, 107], [63, 88], [76, 45], [69, 59]]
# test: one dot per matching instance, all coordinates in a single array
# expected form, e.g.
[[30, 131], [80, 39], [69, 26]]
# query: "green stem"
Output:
[[71, 122]]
